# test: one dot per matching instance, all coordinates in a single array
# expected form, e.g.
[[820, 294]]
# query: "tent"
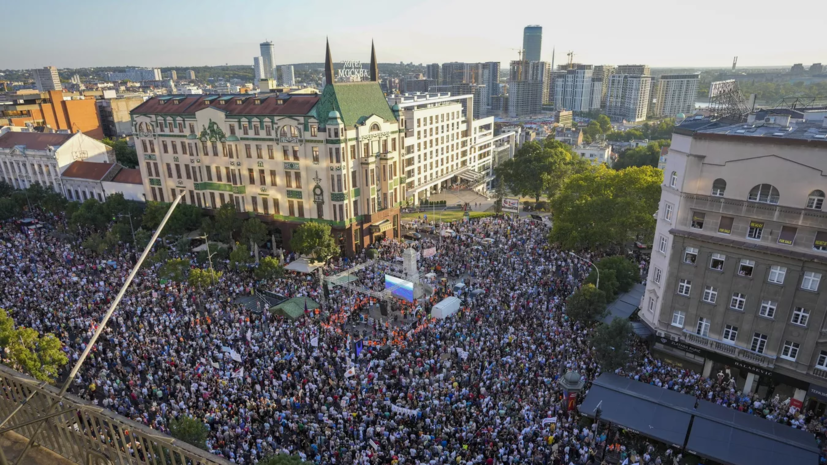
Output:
[[344, 279], [302, 265], [294, 308], [446, 308]]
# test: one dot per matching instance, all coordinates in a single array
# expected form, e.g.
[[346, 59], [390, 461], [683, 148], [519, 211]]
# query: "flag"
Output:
[[238, 374], [305, 305], [350, 372], [314, 341]]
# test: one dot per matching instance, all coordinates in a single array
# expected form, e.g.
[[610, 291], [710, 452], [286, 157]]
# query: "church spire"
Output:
[[374, 65], [328, 65]]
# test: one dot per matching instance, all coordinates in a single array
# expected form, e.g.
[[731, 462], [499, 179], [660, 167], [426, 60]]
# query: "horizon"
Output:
[[405, 34]]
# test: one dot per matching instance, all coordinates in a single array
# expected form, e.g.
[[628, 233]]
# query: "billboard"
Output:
[[511, 205], [429, 252], [399, 287]]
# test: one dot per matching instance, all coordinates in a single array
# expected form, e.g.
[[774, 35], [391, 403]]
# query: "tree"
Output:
[[254, 232], [587, 305], [189, 430], [314, 240], [605, 123], [25, 349], [5, 189], [611, 344], [617, 275], [499, 193], [90, 214], [639, 156], [282, 459], [37, 193], [603, 208], [142, 237], [226, 222], [268, 268], [240, 255], [9, 209], [174, 270], [534, 165], [185, 218], [54, 203], [203, 278], [124, 153]]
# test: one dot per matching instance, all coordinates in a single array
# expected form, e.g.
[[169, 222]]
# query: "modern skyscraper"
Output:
[[432, 72], [675, 93], [258, 70], [628, 96], [527, 87], [268, 55], [532, 43], [491, 80], [288, 76], [453, 73], [573, 89], [46, 79]]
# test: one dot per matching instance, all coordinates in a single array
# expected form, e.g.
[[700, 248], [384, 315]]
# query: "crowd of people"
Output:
[[479, 387]]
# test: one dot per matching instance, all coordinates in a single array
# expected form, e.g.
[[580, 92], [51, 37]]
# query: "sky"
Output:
[[698, 33]]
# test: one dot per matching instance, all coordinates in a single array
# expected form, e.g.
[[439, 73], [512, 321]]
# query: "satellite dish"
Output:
[[679, 118]]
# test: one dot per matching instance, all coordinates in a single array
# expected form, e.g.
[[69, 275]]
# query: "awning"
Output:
[[302, 265], [381, 226], [625, 304], [636, 406], [735, 438], [344, 279]]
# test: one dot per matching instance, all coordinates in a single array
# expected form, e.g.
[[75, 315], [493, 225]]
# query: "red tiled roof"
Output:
[[87, 170], [268, 104], [33, 140], [128, 176]]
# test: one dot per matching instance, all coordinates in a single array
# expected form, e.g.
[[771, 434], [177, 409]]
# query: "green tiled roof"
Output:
[[355, 101]]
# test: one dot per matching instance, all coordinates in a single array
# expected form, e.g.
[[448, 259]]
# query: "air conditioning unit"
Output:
[[674, 338], [769, 119], [660, 333]]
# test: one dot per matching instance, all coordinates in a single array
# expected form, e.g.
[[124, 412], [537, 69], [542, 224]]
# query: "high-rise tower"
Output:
[[268, 57], [532, 43]]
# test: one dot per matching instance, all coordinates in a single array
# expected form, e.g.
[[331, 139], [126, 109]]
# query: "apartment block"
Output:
[[628, 96], [740, 252], [528, 87], [675, 93], [47, 79]]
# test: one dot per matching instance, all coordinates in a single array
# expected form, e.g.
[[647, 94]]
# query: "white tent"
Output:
[[446, 308], [302, 265]]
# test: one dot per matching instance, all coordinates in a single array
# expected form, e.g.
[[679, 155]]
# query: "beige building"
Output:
[[740, 252], [674, 94]]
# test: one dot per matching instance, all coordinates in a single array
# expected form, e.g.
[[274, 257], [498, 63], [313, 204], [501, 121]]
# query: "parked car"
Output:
[[412, 235]]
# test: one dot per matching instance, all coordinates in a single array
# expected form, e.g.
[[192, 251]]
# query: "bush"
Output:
[[587, 305], [189, 430]]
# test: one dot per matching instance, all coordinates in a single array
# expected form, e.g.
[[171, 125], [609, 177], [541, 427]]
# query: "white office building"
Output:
[[288, 75], [136, 75], [268, 56], [574, 89], [627, 97], [46, 79], [675, 93]]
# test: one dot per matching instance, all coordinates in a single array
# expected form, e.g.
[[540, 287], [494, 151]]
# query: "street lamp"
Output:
[[209, 256], [121, 215], [597, 286]]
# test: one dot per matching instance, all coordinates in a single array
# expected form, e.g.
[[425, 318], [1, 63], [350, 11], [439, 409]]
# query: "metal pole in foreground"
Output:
[[597, 286], [101, 326]]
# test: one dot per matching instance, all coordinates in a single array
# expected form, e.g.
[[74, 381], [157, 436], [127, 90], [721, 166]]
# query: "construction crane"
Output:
[[520, 53], [571, 59]]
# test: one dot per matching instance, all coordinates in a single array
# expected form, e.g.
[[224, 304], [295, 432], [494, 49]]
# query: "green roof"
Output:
[[355, 101], [294, 308]]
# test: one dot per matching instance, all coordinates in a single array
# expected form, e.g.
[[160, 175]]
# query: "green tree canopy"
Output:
[[90, 214], [124, 153], [314, 240], [25, 349], [186, 218], [617, 275], [174, 270], [269, 268], [203, 278], [9, 209], [604, 122], [226, 223], [639, 156], [611, 343], [240, 255], [587, 305], [189, 430], [538, 169], [602, 207]]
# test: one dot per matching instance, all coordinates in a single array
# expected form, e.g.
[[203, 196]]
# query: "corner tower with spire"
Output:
[[374, 65]]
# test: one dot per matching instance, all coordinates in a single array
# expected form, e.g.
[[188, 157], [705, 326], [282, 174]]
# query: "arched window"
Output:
[[718, 187], [764, 193], [289, 131], [816, 200], [673, 182], [374, 127]]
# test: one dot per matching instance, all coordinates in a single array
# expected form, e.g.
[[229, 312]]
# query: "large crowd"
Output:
[[479, 387]]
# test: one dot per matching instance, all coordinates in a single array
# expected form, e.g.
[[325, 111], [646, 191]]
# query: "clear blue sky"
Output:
[[84, 33]]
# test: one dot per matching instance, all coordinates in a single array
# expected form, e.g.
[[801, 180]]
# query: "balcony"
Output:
[[730, 350]]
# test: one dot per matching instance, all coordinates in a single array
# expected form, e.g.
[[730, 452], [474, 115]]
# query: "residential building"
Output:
[[268, 57], [628, 96], [84, 180], [573, 90], [47, 79], [601, 74], [136, 75], [191, 75], [596, 153], [444, 144], [675, 93], [114, 113], [570, 136], [564, 118], [55, 110], [797, 68], [29, 157], [334, 157], [454, 73], [740, 250], [527, 88], [432, 72], [816, 68], [418, 85], [491, 80], [288, 75], [532, 43], [258, 70], [640, 70], [173, 75]]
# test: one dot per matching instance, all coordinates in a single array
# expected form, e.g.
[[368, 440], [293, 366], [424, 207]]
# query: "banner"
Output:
[[314, 341], [511, 205], [430, 252]]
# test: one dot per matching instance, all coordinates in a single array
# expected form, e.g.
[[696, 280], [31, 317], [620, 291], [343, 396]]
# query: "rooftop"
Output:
[[267, 104], [128, 176], [33, 140], [355, 102], [771, 126], [87, 170]]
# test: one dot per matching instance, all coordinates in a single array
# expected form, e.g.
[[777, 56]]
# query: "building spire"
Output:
[[374, 65], [328, 65]]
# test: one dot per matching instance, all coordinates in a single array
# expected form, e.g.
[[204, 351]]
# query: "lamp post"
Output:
[[121, 215], [597, 286], [209, 256]]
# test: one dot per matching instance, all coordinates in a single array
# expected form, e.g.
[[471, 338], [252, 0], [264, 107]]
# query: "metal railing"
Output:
[[729, 349], [86, 434]]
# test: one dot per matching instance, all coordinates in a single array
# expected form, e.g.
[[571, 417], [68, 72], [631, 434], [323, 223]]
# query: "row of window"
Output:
[[738, 301], [746, 268], [762, 193], [285, 131], [755, 230]]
